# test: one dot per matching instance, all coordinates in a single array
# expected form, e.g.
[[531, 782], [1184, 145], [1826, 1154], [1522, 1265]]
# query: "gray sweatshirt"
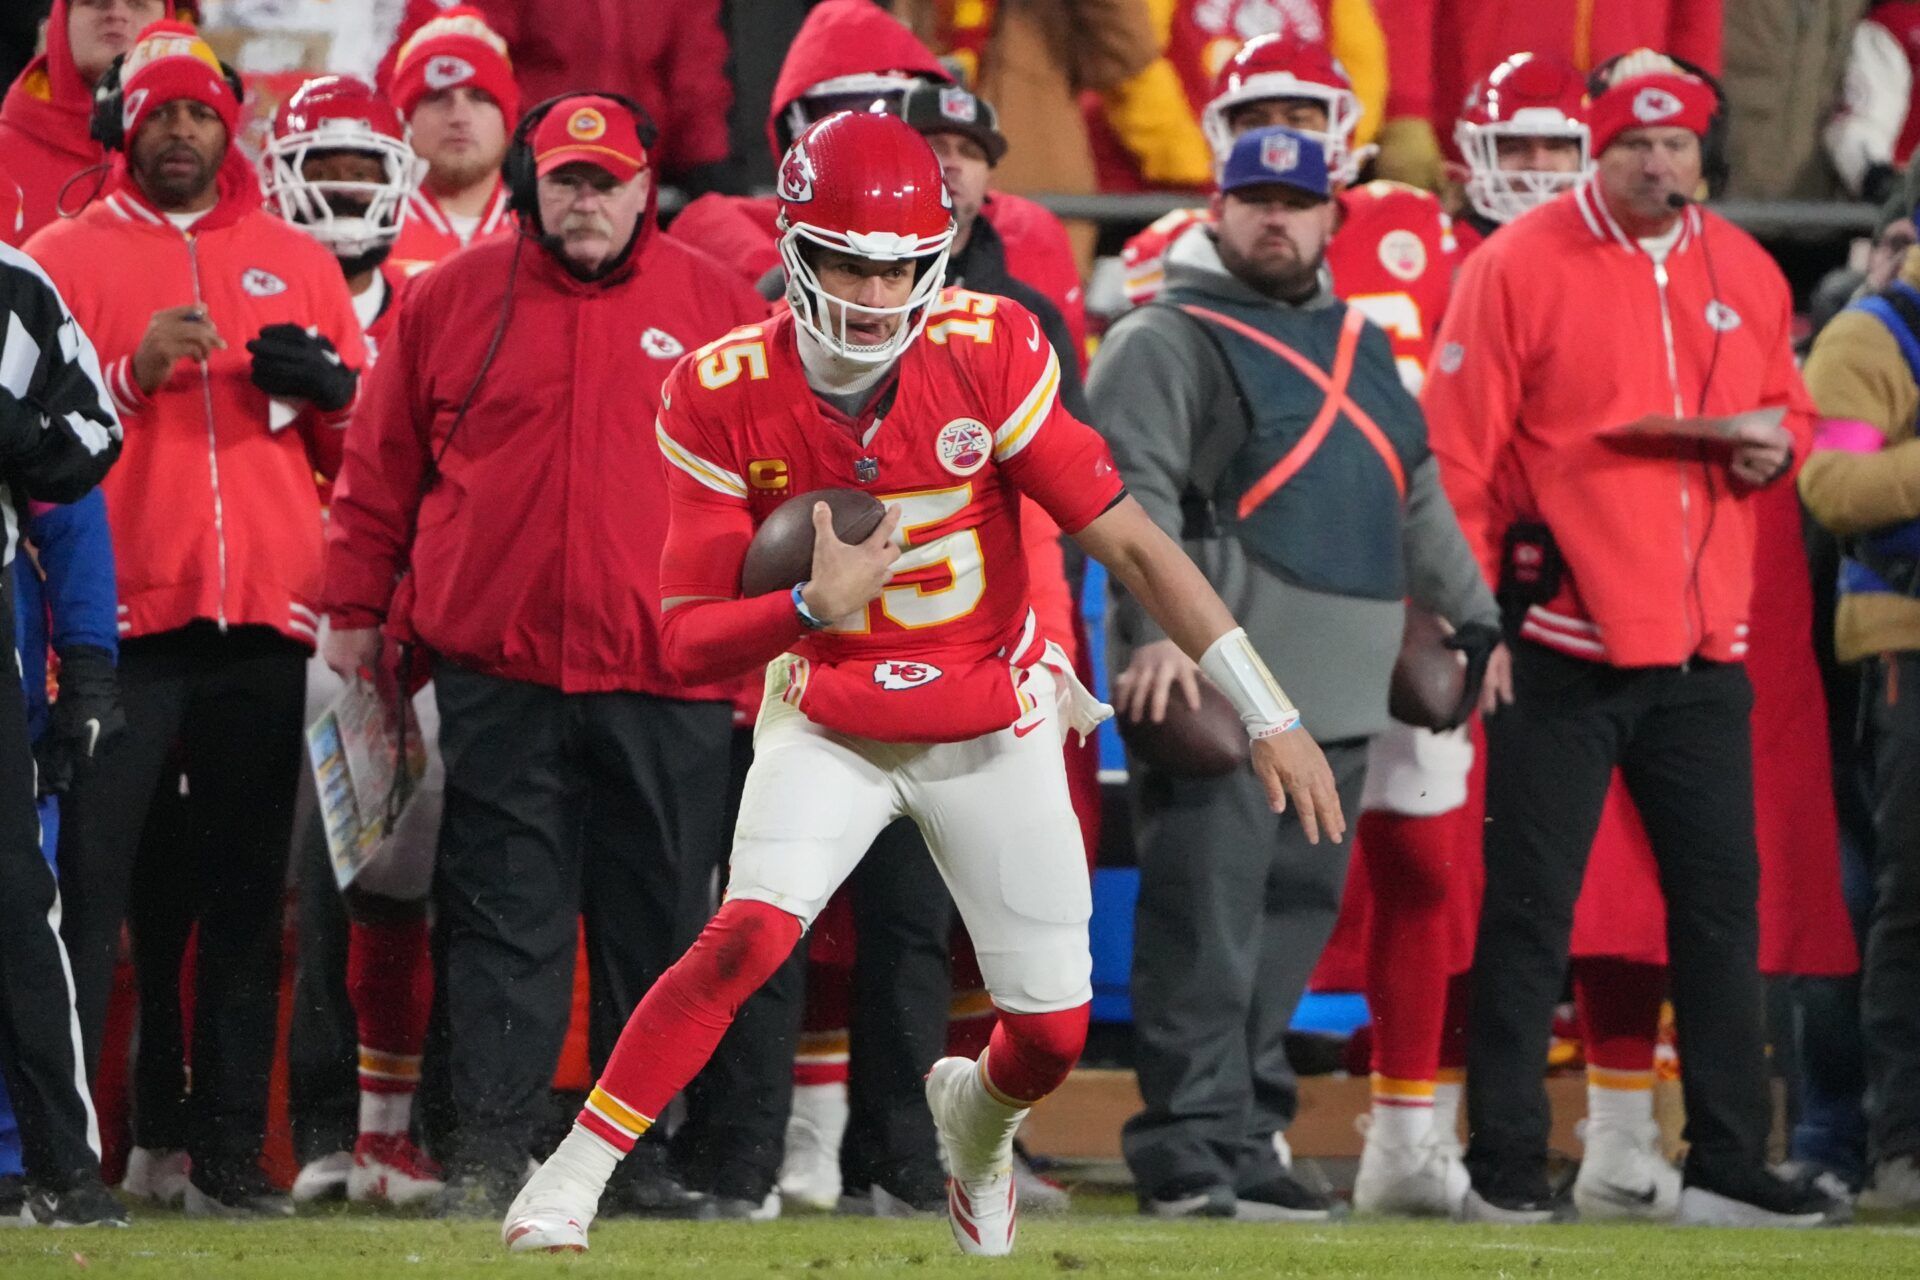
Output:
[[1157, 388]]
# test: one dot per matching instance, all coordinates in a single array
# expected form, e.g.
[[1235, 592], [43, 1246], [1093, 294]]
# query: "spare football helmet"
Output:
[[863, 183], [340, 113], [1283, 65], [1529, 95]]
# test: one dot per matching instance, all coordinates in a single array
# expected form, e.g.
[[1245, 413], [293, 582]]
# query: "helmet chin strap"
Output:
[[830, 372]]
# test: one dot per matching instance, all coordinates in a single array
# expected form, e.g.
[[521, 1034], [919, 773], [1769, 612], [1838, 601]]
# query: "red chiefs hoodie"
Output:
[[43, 127]]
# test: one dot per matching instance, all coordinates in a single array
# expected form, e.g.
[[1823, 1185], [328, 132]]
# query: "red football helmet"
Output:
[[340, 113], [867, 184], [1283, 65], [1530, 95]]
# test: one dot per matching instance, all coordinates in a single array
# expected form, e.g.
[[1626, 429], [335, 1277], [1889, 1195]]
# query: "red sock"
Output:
[[1030, 1054], [1409, 939], [680, 1020], [1619, 1005], [390, 980]]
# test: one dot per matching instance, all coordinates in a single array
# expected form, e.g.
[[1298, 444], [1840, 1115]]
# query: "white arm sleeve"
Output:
[[1874, 96]]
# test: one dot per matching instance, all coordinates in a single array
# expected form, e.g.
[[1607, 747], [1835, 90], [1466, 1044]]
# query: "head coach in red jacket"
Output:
[[1587, 349], [231, 350], [500, 504]]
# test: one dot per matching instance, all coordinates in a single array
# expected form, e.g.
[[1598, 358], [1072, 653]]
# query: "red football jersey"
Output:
[[1392, 258], [973, 421]]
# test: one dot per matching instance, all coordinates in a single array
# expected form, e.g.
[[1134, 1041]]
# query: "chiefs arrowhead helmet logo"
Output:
[[796, 176]]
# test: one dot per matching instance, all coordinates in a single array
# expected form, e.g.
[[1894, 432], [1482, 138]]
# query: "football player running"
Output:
[[905, 677]]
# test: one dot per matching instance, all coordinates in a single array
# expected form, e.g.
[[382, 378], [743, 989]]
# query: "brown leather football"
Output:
[[781, 553], [1429, 679], [1208, 743]]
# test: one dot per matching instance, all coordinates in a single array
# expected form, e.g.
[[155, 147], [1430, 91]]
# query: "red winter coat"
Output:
[[215, 513], [536, 555], [1437, 49], [1523, 387], [43, 127]]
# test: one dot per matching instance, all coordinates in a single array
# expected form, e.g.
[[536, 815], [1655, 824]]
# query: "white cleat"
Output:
[[976, 1137], [159, 1177], [810, 1174], [389, 1169], [1424, 1180], [1623, 1176], [551, 1214], [1477, 1208]]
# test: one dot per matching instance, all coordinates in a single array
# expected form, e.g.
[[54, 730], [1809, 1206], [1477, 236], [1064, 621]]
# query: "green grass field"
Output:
[[1104, 1240]]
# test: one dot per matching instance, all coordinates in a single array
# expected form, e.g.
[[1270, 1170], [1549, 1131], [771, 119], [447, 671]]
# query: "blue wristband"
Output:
[[807, 619]]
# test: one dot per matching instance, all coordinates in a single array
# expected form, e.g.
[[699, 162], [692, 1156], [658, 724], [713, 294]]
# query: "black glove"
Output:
[[1477, 640], [1878, 182], [86, 717], [289, 361]]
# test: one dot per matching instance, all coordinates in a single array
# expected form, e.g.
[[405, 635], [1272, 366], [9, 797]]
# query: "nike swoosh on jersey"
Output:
[[1033, 343], [1021, 731]]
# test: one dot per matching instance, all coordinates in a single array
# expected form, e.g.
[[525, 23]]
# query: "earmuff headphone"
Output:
[[107, 126], [517, 169], [1715, 165]]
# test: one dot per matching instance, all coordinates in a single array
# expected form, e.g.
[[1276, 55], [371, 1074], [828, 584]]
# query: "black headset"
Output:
[[107, 126], [517, 169], [1715, 165]]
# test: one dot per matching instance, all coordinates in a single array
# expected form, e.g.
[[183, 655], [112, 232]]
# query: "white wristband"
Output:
[[1231, 663]]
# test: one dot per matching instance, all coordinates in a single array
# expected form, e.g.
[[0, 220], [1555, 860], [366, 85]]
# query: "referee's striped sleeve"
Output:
[[59, 427]]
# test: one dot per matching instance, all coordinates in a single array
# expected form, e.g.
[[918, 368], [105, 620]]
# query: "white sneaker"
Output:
[[1423, 1180], [1892, 1187], [976, 1136], [159, 1177], [810, 1173], [551, 1213], [1624, 1176]]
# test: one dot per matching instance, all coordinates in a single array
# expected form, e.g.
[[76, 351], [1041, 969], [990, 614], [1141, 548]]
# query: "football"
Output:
[[1208, 743], [781, 553], [1429, 679]]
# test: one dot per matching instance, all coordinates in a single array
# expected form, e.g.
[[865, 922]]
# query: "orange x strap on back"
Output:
[[1336, 403]]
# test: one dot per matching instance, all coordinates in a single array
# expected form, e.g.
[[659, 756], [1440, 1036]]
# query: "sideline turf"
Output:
[[361, 1247]]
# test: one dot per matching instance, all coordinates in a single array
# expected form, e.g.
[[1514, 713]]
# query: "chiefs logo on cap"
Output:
[[1279, 153], [1650, 105], [796, 177], [446, 71], [586, 125]]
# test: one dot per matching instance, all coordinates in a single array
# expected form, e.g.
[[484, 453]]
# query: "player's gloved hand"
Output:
[[86, 717], [1489, 683], [1290, 765], [848, 575], [289, 361]]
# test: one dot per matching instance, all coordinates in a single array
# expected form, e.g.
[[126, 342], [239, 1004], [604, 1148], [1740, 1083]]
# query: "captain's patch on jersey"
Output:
[[1403, 254], [963, 446], [904, 675]]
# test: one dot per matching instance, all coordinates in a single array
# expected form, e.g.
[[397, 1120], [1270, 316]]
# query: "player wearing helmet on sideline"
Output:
[[337, 165], [1393, 251], [1523, 133], [900, 683]]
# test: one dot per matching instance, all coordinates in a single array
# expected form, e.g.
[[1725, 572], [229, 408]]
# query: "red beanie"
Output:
[[1662, 100], [169, 61], [451, 49]]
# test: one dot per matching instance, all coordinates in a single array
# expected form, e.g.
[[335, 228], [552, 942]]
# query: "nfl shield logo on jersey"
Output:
[[1279, 153], [963, 446], [904, 675]]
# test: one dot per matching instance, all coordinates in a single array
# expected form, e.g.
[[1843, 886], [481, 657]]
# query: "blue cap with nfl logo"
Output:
[[1277, 155]]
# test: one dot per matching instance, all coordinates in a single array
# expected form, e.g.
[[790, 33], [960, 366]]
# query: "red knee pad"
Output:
[[1031, 1053]]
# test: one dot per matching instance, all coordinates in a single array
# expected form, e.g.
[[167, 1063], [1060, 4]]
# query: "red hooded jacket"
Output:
[[43, 127], [848, 37], [214, 509], [536, 553]]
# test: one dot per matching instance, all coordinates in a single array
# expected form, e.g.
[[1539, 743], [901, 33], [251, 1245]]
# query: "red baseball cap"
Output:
[[589, 129]]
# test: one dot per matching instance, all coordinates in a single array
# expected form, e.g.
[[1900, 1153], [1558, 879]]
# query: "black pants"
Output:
[[232, 701], [323, 1078], [39, 1052], [608, 805], [160, 920], [1681, 740], [1890, 976]]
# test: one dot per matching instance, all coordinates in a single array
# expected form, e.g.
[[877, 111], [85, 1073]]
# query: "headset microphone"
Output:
[[1677, 201]]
